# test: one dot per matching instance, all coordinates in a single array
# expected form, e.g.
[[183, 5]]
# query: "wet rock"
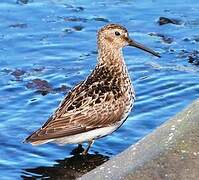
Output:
[[42, 86], [164, 20], [193, 58], [74, 8], [183, 54], [38, 69], [84, 55], [101, 19], [63, 89], [78, 28], [196, 38], [79, 8], [186, 39], [165, 38], [94, 52], [7, 71], [68, 30], [74, 19], [18, 25], [74, 28], [24, 1], [17, 73]]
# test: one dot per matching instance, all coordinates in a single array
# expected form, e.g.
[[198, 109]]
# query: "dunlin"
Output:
[[100, 104]]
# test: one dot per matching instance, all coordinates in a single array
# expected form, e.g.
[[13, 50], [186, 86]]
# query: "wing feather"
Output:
[[94, 103], [78, 121]]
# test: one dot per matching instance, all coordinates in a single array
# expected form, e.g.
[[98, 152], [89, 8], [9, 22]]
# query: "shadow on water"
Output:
[[68, 168]]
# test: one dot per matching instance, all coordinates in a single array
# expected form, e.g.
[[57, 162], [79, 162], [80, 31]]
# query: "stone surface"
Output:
[[171, 152]]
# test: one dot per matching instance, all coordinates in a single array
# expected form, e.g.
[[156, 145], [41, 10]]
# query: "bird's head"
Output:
[[116, 36]]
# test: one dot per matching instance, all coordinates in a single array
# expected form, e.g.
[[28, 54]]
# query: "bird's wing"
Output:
[[82, 110]]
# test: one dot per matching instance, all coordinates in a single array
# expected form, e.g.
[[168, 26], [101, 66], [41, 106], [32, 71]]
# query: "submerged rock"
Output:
[[194, 39], [44, 87], [164, 20], [17, 73], [18, 25], [63, 89], [166, 39], [74, 8], [74, 19], [101, 19], [38, 69], [194, 58], [78, 28]]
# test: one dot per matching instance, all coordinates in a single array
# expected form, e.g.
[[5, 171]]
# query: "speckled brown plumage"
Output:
[[102, 100]]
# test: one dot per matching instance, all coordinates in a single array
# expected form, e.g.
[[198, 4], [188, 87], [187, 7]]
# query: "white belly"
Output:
[[87, 136]]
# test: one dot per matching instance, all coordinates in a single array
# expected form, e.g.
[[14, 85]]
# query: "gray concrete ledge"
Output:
[[171, 152]]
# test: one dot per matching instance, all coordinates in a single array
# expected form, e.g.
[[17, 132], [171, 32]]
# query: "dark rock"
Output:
[[84, 55], [18, 25], [68, 30], [165, 38], [42, 86], [78, 28], [192, 39], [18, 72], [94, 52], [196, 38], [24, 1], [77, 9], [194, 58], [74, 19], [5, 70], [164, 20], [101, 19], [63, 89], [183, 54], [75, 28], [186, 39], [38, 69], [74, 8]]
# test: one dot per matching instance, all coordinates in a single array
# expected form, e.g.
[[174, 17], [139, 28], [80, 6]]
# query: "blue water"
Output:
[[55, 40]]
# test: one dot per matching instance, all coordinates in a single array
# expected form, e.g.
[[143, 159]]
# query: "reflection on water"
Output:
[[69, 168]]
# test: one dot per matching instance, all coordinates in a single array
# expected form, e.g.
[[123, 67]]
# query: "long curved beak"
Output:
[[140, 46]]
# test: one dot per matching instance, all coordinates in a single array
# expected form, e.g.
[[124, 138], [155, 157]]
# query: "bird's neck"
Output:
[[112, 58]]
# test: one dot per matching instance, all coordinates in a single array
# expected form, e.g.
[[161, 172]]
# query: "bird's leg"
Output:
[[90, 143]]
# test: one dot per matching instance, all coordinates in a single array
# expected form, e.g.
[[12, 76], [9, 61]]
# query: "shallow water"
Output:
[[54, 40]]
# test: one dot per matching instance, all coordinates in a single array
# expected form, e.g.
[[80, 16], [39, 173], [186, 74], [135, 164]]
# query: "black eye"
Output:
[[117, 33]]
